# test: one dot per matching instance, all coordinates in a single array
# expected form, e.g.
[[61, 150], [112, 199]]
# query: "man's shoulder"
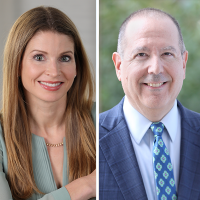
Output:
[[189, 117], [108, 113], [110, 119]]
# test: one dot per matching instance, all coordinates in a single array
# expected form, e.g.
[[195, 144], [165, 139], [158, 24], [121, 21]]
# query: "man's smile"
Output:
[[155, 84]]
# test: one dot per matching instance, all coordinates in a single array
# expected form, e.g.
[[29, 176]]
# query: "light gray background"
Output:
[[81, 12]]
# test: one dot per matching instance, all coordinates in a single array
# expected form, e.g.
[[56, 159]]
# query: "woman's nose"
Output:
[[53, 69]]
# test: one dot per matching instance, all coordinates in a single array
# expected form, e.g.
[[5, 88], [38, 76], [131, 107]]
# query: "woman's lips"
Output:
[[51, 86]]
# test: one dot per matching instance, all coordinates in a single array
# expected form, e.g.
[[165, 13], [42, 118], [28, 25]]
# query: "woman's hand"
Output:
[[83, 188]]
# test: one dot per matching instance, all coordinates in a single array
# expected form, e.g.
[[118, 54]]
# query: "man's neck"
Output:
[[152, 114]]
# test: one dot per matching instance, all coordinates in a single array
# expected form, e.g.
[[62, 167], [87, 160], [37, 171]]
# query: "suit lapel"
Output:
[[189, 174], [119, 153]]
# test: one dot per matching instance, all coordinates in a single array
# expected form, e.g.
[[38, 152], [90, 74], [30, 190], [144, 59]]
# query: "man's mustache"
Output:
[[155, 78]]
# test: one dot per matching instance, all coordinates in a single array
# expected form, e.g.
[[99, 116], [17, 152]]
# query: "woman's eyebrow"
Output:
[[39, 51], [46, 52], [68, 52]]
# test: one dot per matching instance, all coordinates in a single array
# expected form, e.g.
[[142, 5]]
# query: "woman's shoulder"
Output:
[[2, 142], [3, 152]]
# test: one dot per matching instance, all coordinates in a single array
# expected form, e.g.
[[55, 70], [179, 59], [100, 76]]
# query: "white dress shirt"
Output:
[[142, 138]]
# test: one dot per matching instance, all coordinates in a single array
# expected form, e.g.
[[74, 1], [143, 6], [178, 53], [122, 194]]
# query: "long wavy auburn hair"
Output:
[[80, 131]]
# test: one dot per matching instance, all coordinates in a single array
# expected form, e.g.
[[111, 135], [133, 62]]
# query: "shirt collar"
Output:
[[138, 124], [171, 121]]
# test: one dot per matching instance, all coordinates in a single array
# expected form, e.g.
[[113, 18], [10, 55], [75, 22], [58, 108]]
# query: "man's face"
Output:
[[152, 68]]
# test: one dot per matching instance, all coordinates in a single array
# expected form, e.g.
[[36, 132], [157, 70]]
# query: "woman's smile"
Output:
[[51, 86]]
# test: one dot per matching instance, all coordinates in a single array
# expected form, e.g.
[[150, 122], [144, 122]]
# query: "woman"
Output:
[[47, 142]]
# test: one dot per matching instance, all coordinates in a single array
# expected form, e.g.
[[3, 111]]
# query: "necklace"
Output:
[[54, 145]]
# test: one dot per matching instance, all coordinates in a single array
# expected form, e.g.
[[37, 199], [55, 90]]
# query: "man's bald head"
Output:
[[146, 12]]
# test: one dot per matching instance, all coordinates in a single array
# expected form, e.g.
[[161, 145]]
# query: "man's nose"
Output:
[[53, 69], [155, 65]]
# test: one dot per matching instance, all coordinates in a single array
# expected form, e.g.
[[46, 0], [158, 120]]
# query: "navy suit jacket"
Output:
[[119, 173]]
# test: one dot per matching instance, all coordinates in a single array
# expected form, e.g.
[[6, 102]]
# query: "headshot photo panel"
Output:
[[149, 123]]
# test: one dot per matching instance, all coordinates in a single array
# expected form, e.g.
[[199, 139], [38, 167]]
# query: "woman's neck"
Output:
[[47, 118]]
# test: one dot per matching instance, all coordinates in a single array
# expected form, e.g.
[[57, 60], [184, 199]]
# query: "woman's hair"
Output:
[[80, 131]]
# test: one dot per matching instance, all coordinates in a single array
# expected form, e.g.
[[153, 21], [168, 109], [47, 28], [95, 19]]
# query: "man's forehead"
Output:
[[144, 22], [142, 27]]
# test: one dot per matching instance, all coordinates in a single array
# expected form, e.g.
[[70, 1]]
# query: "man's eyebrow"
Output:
[[137, 49], [169, 48], [141, 49], [146, 49]]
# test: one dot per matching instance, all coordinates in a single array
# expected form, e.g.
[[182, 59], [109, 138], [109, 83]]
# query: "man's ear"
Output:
[[117, 62], [185, 58]]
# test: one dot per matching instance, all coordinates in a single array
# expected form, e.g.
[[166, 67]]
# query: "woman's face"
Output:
[[48, 67]]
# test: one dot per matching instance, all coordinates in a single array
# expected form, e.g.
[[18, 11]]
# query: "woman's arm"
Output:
[[4, 188], [5, 193], [83, 188]]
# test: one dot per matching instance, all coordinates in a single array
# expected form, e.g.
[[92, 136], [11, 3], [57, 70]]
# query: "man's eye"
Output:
[[167, 54], [39, 57], [65, 59], [141, 54]]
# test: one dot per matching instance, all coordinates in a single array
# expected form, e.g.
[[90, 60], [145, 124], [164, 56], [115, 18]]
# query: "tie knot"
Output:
[[157, 128]]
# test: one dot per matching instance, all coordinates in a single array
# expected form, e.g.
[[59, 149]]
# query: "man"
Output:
[[150, 62]]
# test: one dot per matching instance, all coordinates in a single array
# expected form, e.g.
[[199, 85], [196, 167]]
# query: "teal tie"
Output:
[[163, 171]]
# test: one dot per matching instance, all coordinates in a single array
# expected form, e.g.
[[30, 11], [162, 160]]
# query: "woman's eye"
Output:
[[39, 57], [65, 59]]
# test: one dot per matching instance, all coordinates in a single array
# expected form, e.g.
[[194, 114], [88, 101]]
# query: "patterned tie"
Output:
[[163, 171]]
